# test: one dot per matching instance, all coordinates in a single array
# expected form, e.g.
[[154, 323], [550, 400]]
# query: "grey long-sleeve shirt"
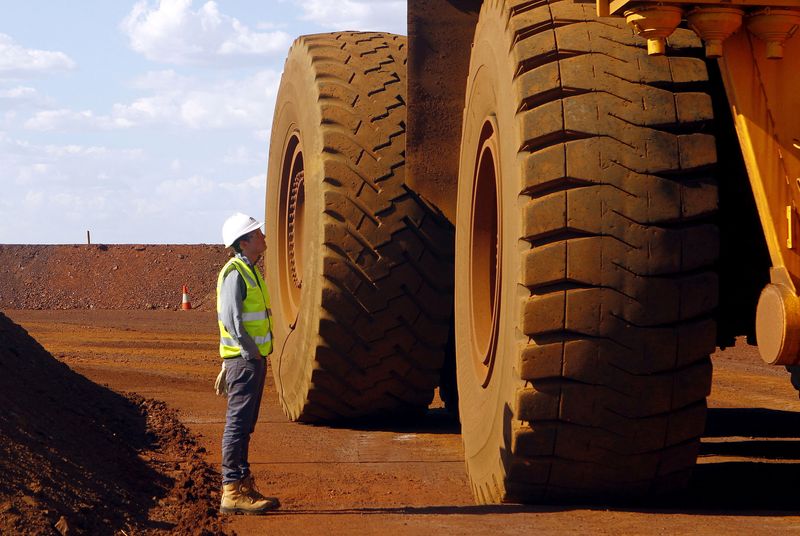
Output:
[[232, 296]]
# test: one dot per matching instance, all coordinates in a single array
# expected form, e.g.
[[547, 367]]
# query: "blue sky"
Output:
[[146, 122]]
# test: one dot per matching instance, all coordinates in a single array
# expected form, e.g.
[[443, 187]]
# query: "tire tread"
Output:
[[386, 259], [619, 207]]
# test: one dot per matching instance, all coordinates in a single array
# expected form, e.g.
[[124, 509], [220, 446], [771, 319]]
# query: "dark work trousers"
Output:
[[245, 386]]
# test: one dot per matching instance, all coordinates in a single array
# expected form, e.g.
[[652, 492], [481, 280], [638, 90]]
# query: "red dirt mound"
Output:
[[78, 458], [108, 276]]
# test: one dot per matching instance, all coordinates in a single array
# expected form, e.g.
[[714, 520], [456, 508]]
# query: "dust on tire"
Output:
[[362, 316], [600, 370]]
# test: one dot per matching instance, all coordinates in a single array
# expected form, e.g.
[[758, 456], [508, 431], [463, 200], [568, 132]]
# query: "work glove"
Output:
[[221, 383]]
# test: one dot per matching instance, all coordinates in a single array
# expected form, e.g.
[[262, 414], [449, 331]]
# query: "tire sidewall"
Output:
[[487, 412], [297, 114]]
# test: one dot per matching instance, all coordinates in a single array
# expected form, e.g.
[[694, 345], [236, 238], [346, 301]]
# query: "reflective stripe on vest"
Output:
[[256, 313], [227, 341], [260, 315]]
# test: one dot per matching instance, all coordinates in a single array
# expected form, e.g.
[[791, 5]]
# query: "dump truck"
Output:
[[553, 212]]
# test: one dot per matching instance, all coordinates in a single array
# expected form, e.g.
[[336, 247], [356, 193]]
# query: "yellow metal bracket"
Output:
[[606, 8], [772, 21]]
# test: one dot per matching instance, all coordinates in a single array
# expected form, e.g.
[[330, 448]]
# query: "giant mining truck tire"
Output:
[[360, 268], [585, 253]]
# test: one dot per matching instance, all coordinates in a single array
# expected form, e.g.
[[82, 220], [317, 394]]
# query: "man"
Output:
[[245, 325]]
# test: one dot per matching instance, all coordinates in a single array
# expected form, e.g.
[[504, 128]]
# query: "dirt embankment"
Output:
[[108, 276], [76, 457]]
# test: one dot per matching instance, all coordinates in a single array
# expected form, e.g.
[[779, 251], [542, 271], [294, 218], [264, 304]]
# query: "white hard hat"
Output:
[[236, 226]]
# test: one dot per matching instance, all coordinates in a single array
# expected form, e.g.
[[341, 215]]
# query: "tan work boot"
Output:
[[236, 501], [248, 487]]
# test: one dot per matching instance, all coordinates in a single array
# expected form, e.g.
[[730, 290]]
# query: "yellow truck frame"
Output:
[[759, 63]]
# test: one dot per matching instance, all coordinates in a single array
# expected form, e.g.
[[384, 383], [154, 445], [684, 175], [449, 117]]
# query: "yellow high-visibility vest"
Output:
[[256, 314]]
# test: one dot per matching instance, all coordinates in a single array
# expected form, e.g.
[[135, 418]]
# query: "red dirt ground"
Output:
[[384, 478]]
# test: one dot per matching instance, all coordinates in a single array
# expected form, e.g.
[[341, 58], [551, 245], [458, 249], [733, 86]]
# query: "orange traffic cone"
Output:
[[185, 303]]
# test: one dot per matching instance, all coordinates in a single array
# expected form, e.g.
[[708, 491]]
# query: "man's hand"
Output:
[[221, 383], [250, 349]]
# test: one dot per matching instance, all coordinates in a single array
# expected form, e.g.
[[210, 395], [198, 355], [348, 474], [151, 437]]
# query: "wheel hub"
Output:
[[292, 233], [485, 255]]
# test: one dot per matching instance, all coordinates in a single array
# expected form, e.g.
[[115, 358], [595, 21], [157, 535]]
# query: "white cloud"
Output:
[[179, 189], [16, 60], [244, 41], [72, 166], [363, 15], [79, 203], [241, 156], [270, 25], [91, 151], [128, 209], [172, 32], [49, 119], [65, 209], [161, 80], [59, 119], [19, 100], [30, 173], [227, 104], [190, 190], [254, 183], [19, 92], [10, 147], [70, 183], [246, 103], [205, 200], [33, 198]]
